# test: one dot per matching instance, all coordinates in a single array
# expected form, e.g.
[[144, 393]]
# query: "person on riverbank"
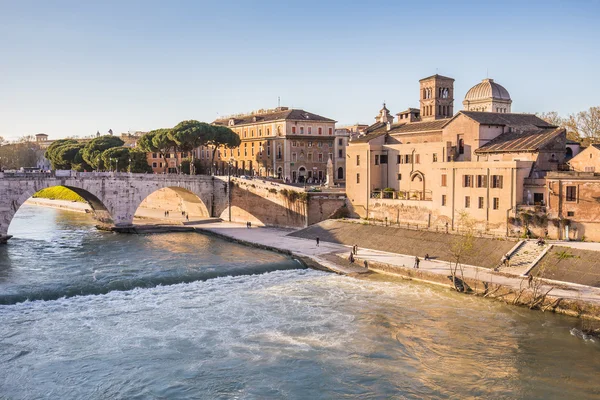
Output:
[[417, 261], [355, 249], [426, 257], [530, 280], [351, 258], [317, 241]]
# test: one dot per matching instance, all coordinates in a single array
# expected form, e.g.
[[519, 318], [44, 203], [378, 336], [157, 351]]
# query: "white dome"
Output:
[[487, 89]]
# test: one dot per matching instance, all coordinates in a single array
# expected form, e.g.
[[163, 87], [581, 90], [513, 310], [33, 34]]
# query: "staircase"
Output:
[[522, 259]]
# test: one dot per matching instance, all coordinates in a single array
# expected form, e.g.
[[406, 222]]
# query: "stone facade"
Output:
[[431, 170]]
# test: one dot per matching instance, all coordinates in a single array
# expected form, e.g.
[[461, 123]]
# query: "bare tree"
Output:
[[585, 125], [461, 247], [552, 117]]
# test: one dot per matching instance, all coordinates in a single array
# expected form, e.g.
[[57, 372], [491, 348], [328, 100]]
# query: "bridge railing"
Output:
[[94, 174]]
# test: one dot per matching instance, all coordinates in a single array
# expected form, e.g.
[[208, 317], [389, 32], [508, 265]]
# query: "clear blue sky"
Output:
[[75, 67]]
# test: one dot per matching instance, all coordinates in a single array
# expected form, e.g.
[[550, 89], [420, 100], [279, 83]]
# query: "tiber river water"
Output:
[[94, 315]]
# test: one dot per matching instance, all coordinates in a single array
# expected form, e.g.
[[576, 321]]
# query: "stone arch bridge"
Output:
[[114, 197]]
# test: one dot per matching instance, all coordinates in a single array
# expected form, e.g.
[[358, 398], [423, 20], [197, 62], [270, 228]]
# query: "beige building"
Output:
[[431, 166], [290, 144]]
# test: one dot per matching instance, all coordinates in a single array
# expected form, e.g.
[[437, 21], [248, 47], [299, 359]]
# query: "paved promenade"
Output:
[[278, 238]]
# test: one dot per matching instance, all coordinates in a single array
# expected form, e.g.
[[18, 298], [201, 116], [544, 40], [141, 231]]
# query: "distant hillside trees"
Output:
[[583, 126]]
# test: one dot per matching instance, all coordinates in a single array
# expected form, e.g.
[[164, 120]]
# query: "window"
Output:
[[357, 160], [294, 157], [497, 181], [434, 157], [570, 213], [461, 144], [408, 159], [245, 133], [330, 131], [320, 157], [294, 143], [467, 201], [357, 178], [481, 202], [376, 159], [443, 199], [268, 150], [571, 193], [444, 180], [319, 144], [252, 148], [154, 155], [252, 133], [245, 149], [309, 156], [399, 177], [340, 142], [398, 159], [309, 130], [482, 181], [383, 159], [320, 131], [302, 130], [340, 153], [268, 131], [293, 129], [496, 203], [260, 132], [417, 159], [467, 180], [309, 144], [154, 164]]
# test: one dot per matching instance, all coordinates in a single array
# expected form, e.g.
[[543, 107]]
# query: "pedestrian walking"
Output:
[[366, 264], [187, 217], [317, 241], [507, 260], [355, 249], [530, 280], [417, 261], [351, 258]]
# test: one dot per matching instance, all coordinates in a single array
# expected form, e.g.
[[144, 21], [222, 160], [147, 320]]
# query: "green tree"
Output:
[[139, 161], [66, 154], [21, 154], [163, 144], [222, 136], [94, 149], [116, 159], [51, 153], [190, 134]]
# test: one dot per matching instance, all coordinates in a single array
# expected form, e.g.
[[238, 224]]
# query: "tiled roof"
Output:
[[436, 75], [409, 110], [521, 141], [414, 127], [370, 136], [518, 121], [277, 115]]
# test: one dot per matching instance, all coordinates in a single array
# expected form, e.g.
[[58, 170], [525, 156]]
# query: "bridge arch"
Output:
[[177, 200], [101, 212]]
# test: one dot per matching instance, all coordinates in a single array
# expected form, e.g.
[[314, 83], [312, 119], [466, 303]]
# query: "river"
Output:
[[87, 314]]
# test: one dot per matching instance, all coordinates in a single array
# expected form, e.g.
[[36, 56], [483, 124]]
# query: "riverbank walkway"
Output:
[[277, 238]]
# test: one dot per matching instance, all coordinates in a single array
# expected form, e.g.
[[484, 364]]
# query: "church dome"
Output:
[[487, 89]]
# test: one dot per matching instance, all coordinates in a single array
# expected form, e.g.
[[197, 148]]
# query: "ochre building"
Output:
[[288, 144], [434, 166]]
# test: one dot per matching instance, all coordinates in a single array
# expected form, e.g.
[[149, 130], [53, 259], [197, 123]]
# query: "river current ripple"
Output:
[[95, 315]]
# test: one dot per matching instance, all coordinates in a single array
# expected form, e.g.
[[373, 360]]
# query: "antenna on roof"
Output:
[[278, 101]]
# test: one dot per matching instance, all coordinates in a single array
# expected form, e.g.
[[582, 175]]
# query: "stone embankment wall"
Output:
[[272, 204], [570, 265], [486, 252]]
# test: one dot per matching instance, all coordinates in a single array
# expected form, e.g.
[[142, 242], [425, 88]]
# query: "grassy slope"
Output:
[[58, 193]]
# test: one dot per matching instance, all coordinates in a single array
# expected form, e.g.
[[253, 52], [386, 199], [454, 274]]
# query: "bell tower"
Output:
[[436, 97]]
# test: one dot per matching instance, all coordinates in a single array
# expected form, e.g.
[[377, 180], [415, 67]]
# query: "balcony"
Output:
[[417, 195]]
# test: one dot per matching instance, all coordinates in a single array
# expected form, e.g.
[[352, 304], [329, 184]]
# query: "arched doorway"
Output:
[[417, 185], [340, 173], [568, 153], [279, 172], [301, 174]]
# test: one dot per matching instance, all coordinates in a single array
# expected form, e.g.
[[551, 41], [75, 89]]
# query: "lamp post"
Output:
[[129, 165], [116, 165], [229, 186]]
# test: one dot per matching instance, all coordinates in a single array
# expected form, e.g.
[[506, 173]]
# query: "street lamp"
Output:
[[116, 165], [129, 164], [229, 186]]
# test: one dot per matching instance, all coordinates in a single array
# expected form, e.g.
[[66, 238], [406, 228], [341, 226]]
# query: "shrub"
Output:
[[388, 189], [271, 190]]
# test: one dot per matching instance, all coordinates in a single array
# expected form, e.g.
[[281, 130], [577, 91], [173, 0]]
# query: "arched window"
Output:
[[340, 173]]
